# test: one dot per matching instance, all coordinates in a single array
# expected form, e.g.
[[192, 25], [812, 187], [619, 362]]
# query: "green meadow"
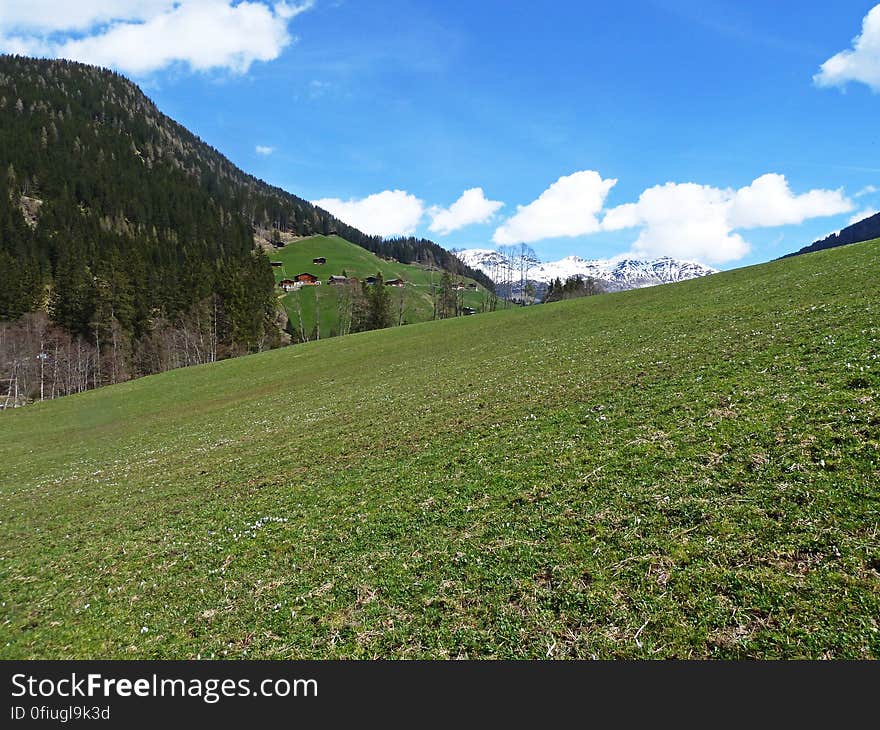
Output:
[[320, 304], [687, 471]]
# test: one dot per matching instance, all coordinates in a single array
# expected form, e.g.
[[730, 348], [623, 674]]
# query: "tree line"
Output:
[[361, 307], [573, 287]]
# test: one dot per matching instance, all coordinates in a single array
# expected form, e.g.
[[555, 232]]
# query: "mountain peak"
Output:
[[625, 273]]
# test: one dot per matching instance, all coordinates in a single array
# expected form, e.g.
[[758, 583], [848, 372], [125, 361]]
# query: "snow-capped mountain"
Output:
[[618, 273]]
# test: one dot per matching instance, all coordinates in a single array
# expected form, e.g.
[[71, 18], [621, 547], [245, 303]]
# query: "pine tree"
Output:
[[379, 303], [446, 304]]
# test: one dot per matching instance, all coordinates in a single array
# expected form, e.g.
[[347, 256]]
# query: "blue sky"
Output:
[[387, 112]]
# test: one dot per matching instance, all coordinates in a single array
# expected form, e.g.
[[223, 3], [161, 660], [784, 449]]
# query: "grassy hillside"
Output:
[[683, 471], [356, 261]]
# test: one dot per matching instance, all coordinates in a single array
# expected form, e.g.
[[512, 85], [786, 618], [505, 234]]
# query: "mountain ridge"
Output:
[[866, 229], [617, 273]]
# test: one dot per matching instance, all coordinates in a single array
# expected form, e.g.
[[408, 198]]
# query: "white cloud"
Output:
[[472, 207], [861, 215], [568, 208], [691, 221], [264, 150], [389, 213], [142, 36], [862, 63], [867, 190], [769, 202], [48, 16], [686, 221]]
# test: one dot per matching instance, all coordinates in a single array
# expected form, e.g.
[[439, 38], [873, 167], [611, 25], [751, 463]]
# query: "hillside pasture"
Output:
[[342, 256], [687, 471]]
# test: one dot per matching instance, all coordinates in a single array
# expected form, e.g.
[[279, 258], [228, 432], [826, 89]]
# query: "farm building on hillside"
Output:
[[468, 311], [370, 280], [307, 279], [395, 282], [289, 284], [319, 261], [277, 264], [336, 280], [472, 285]]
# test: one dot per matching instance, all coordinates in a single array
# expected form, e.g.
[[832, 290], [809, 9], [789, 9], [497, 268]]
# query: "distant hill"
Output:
[[865, 230], [319, 310]]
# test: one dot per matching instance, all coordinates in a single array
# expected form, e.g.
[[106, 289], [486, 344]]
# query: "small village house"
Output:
[[307, 279], [395, 282], [319, 261], [289, 285]]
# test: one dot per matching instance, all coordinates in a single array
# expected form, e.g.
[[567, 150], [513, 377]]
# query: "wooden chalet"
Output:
[[395, 282], [289, 284], [319, 261], [307, 279]]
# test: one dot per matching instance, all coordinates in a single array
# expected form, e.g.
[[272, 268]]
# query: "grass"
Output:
[[358, 262], [690, 470]]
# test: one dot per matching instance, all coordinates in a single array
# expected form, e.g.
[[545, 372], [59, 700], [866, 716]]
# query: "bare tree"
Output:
[[317, 314], [401, 301]]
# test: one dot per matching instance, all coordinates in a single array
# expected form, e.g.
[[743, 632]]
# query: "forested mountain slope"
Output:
[[864, 230], [136, 237]]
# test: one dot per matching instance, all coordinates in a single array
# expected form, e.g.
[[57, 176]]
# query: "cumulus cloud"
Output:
[[389, 213], [568, 208], [686, 221], [264, 150], [142, 36], [861, 63], [769, 202], [472, 207], [691, 221], [49, 16], [862, 214]]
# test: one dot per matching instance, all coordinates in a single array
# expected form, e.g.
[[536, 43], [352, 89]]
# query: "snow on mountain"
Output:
[[619, 273]]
